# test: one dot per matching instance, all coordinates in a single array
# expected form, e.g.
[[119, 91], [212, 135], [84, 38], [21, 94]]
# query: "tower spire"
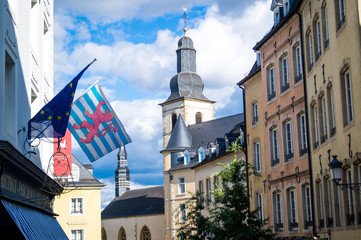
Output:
[[185, 18], [122, 178]]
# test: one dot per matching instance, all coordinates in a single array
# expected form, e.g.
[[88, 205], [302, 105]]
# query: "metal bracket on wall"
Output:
[[349, 145], [298, 178], [282, 172], [293, 103], [329, 155], [269, 181], [319, 158]]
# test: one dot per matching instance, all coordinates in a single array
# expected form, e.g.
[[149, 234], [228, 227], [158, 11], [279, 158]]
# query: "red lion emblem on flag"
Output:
[[98, 117]]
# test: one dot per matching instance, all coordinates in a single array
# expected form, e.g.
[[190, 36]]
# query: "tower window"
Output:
[[198, 117], [174, 120]]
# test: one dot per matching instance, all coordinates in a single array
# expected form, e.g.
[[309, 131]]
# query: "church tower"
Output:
[[122, 179], [186, 105], [186, 97]]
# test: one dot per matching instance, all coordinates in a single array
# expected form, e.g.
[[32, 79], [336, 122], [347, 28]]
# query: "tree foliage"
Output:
[[229, 217]]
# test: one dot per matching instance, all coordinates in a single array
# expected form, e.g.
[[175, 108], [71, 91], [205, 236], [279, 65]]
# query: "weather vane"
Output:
[[185, 18]]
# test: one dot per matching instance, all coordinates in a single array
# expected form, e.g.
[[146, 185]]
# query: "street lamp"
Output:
[[336, 173]]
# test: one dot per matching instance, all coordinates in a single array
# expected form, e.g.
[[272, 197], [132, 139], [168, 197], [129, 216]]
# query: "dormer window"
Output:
[[286, 7], [201, 154], [75, 172], [186, 157], [277, 15]]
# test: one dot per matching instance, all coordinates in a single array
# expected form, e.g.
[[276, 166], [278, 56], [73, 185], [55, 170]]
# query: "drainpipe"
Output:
[[245, 148], [171, 204], [314, 232]]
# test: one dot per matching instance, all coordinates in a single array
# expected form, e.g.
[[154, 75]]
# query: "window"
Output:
[[288, 140], [284, 76], [79, 234], [216, 186], [286, 7], [331, 107], [297, 63], [325, 30], [292, 209], [337, 204], [302, 134], [321, 219], [278, 211], [307, 207], [274, 146], [257, 156], [201, 190], [323, 119], [182, 213], [9, 106], [145, 234], [271, 84], [309, 50], [201, 154], [254, 114], [317, 37], [76, 206], [315, 127], [198, 117], [208, 181], [277, 16], [259, 204], [121, 234], [174, 120], [181, 185], [75, 172], [346, 98], [340, 13], [350, 216], [328, 203], [186, 157]]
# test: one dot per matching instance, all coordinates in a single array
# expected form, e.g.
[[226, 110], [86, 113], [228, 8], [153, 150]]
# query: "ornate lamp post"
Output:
[[336, 174]]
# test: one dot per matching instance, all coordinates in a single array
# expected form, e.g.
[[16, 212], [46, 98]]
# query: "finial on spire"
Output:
[[185, 18]]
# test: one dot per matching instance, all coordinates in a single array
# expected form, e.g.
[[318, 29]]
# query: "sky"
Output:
[[134, 43]]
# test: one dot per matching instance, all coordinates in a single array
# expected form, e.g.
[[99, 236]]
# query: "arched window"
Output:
[[174, 120], [145, 234], [121, 234], [104, 234], [198, 117]]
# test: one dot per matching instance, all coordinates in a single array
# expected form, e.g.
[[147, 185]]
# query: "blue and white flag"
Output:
[[95, 126]]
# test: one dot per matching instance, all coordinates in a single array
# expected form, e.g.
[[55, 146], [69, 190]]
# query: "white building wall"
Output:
[[26, 66]]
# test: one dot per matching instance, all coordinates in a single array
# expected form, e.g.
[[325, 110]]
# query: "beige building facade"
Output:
[[332, 42]]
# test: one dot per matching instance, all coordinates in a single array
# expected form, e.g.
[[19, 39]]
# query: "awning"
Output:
[[34, 225]]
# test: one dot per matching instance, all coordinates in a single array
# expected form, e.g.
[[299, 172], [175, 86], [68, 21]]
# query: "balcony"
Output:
[[303, 151], [329, 222], [278, 227], [308, 224], [285, 87], [321, 223], [271, 95], [324, 138], [288, 156], [350, 219], [292, 226], [275, 161], [298, 78]]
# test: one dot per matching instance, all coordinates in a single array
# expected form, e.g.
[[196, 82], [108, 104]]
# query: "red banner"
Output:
[[63, 157]]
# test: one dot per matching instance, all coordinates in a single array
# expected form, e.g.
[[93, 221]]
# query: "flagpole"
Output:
[[89, 88]]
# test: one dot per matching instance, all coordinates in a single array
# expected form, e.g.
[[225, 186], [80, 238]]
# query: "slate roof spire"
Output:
[[122, 177], [180, 138], [186, 83]]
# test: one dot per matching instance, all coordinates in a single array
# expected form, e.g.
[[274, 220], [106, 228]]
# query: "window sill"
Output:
[[284, 92], [272, 100], [297, 82], [339, 30]]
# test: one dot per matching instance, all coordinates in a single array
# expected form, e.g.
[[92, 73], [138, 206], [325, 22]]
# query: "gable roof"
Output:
[[145, 201], [85, 177]]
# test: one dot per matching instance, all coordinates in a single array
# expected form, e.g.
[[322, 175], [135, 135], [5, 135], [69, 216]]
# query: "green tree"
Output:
[[196, 226], [229, 217]]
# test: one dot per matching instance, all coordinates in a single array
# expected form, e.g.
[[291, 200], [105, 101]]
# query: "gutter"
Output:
[[314, 232]]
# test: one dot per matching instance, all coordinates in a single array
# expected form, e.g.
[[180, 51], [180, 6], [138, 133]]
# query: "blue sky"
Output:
[[134, 43]]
